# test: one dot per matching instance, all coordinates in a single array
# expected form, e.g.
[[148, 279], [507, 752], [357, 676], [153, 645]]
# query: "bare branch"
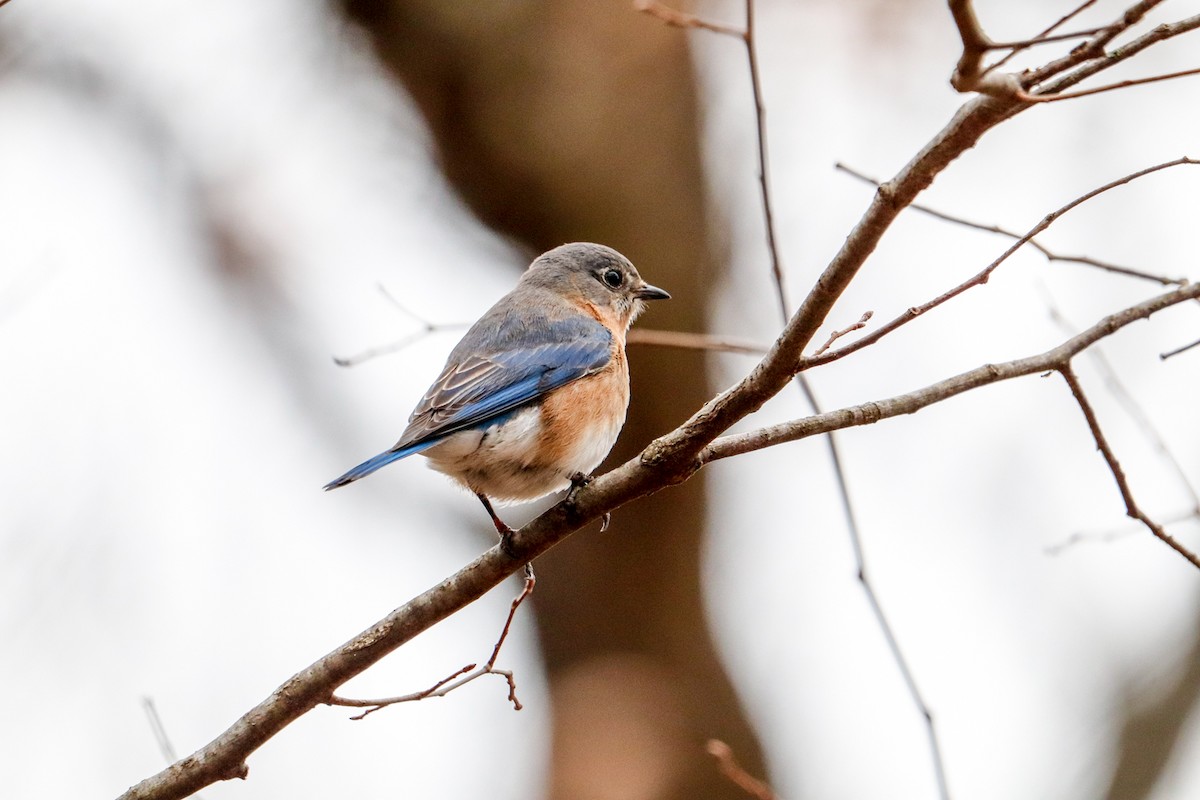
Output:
[[1041, 37], [461, 678], [1083, 63], [1131, 506], [695, 341], [982, 276], [872, 412], [1093, 49], [969, 74], [1032, 242], [1052, 98], [833, 337], [1104, 537], [1134, 409], [156, 725], [426, 329], [1178, 350]]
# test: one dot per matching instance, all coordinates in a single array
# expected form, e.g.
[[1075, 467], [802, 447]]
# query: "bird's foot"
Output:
[[578, 481]]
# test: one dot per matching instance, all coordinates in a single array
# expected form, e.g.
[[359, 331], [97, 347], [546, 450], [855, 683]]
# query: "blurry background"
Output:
[[199, 203]]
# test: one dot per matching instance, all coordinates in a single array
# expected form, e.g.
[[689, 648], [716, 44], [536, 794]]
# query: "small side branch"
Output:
[[1045, 35], [461, 678], [1049, 254], [983, 275], [1178, 350], [833, 337], [695, 341], [1053, 98], [1131, 507]]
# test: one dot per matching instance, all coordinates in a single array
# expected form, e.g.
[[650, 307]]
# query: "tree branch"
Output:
[[983, 275], [657, 467], [1132, 509], [872, 412]]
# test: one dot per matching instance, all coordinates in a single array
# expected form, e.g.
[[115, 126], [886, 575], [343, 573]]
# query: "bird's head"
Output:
[[597, 275]]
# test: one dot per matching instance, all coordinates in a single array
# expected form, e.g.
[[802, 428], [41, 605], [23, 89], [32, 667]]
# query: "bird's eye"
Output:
[[612, 278]]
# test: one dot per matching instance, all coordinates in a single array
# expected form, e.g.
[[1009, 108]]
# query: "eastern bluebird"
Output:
[[533, 397]]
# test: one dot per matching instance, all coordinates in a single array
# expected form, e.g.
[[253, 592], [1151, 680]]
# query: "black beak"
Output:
[[648, 292]]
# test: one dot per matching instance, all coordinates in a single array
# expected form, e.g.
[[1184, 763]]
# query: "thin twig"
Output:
[[869, 413], [1131, 507], [695, 341], [461, 678], [764, 181], [1092, 50], [1178, 350], [735, 773], [1063, 20], [983, 275], [1083, 65], [1033, 242], [1103, 537], [156, 725], [427, 328], [833, 337], [1054, 98], [1134, 409], [1044, 39]]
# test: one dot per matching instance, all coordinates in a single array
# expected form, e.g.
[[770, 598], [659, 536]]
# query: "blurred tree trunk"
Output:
[[566, 121]]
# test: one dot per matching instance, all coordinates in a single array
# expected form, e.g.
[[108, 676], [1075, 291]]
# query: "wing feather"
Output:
[[476, 388]]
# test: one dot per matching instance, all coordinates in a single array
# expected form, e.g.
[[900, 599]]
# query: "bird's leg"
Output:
[[503, 530], [578, 481]]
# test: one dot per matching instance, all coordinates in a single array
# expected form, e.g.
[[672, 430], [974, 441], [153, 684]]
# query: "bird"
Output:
[[532, 398]]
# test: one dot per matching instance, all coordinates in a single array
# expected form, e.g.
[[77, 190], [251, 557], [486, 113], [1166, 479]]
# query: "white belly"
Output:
[[506, 461]]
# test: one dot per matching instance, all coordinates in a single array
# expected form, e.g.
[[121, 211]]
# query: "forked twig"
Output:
[[1049, 254], [461, 678], [983, 275], [1041, 37]]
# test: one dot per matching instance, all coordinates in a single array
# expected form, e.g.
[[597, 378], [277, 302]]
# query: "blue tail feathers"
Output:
[[381, 460]]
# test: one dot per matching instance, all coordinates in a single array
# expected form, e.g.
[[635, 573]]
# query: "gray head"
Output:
[[596, 275]]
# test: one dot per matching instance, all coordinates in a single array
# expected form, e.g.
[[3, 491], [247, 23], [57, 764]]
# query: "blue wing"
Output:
[[521, 362]]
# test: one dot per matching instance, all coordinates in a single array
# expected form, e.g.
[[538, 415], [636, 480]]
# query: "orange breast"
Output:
[[580, 421]]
